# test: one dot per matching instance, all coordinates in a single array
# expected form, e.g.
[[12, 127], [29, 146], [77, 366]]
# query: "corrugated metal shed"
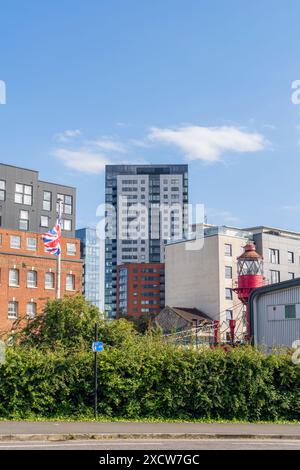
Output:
[[275, 314]]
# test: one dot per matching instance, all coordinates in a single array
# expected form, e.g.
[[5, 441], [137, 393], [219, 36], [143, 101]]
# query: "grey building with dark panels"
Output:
[[27, 203], [146, 185], [275, 314]]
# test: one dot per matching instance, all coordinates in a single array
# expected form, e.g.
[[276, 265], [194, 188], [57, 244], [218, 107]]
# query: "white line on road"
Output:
[[141, 443]]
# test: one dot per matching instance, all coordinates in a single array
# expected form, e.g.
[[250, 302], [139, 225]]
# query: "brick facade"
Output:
[[14, 284], [140, 288]]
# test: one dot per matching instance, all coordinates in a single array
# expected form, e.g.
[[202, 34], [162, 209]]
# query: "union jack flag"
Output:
[[52, 239]]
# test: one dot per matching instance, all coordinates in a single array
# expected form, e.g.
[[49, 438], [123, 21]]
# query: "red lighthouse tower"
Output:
[[250, 276]]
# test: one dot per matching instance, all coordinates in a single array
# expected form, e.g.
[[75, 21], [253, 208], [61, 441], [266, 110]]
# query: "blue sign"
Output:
[[97, 346]]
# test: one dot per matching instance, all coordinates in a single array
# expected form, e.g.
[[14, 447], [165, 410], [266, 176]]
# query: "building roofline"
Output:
[[88, 227], [37, 172], [18, 167], [276, 229], [241, 234], [57, 184], [147, 165], [139, 263], [265, 290]]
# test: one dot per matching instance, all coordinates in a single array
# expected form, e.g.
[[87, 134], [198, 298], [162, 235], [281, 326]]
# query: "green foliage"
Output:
[[144, 377], [69, 323], [49, 373]]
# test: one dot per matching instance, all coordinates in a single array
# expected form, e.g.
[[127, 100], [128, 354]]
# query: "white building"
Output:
[[204, 278]]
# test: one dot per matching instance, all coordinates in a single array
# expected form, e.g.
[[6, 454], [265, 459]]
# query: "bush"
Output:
[[144, 377]]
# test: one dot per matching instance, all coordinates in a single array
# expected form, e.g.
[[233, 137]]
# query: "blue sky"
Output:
[[206, 82]]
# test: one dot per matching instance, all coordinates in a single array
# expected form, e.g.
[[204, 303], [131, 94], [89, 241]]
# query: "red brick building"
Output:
[[140, 288], [28, 274]]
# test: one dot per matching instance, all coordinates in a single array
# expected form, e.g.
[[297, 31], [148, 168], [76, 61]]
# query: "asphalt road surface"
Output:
[[154, 444]]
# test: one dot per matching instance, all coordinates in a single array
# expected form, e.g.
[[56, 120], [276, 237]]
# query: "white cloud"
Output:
[[108, 145], [67, 135], [209, 143], [82, 160], [140, 143]]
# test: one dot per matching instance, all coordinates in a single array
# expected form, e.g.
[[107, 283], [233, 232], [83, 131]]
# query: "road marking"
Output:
[[80, 443], [153, 443]]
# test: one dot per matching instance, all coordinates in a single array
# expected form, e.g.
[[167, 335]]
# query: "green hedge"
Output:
[[149, 378]]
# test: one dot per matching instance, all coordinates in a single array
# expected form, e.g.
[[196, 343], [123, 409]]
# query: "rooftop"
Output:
[[37, 173], [212, 230], [274, 231]]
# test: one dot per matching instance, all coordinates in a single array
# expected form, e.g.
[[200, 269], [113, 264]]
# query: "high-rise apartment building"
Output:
[[28, 204], [146, 207], [90, 249], [140, 289]]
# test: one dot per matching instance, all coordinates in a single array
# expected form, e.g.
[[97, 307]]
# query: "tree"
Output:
[[69, 322], [142, 323]]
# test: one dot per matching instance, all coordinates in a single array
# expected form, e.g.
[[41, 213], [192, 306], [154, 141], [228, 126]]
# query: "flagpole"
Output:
[[58, 262], [58, 276]]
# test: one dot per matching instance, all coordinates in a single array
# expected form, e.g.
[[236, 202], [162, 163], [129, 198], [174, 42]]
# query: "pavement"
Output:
[[27, 431]]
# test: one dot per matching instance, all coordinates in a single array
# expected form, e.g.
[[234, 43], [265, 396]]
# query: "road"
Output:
[[155, 444]]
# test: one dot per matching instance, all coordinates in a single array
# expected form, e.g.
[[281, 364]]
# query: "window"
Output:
[[31, 243], [31, 310], [13, 278], [291, 275], [23, 194], [229, 315], [70, 282], [289, 312], [15, 241], [47, 201], [49, 280], [67, 202], [12, 309], [228, 272], [24, 220], [67, 225], [68, 205], [228, 249], [44, 221], [2, 190], [274, 277], [228, 293], [71, 249], [290, 257], [31, 279], [273, 256]]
